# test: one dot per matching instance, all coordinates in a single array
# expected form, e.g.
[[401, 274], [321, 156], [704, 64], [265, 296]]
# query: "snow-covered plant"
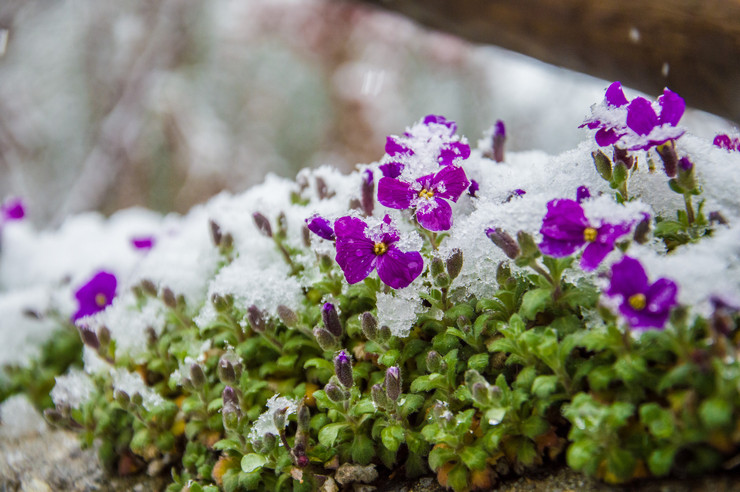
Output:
[[444, 310]]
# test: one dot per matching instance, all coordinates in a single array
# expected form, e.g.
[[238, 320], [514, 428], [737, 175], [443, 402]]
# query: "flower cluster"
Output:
[[638, 124]]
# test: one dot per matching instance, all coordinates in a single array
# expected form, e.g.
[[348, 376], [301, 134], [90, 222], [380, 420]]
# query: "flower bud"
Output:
[[667, 153], [226, 372], [369, 325], [368, 192], [325, 263], [343, 369], [151, 336], [331, 320], [393, 383], [230, 417], [442, 280], [622, 156], [53, 416], [229, 396], [121, 398], [686, 176], [464, 324], [304, 417], [197, 376], [306, 236], [282, 225], [287, 316], [169, 299], [499, 141], [321, 189], [137, 399], [279, 418], [582, 193], [503, 273], [334, 392], [148, 287], [455, 263], [227, 242], [104, 335], [642, 230], [384, 334], [718, 218], [256, 319], [89, 337], [263, 225], [438, 267], [378, 395], [603, 164], [216, 235], [269, 441], [480, 393], [221, 303], [503, 240], [527, 245], [325, 339], [434, 361]]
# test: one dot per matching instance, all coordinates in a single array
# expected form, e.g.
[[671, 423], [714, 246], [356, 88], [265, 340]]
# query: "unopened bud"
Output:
[[287, 316], [282, 225], [480, 392], [438, 267], [226, 372], [368, 192], [442, 280], [221, 303], [279, 419], [169, 299], [151, 336], [306, 236], [256, 319], [137, 399], [369, 325], [393, 383], [642, 230], [499, 141], [325, 339], [464, 324], [216, 235], [269, 441], [384, 334], [603, 164], [325, 263], [321, 189], [527, 245], [343, 369], [379, 397], [686, 176], [121, 398], [104, 335], [303, 417], [433, 361], [263, 225], [230, 417], [53, 416], [503, 240], [197, 376], [331, 320], [148, 287], [503, 273], [455, 263], [718, 218], [89, 337], [229, 396], [623, 156], [227, 242], [667, 153], [334, 392]]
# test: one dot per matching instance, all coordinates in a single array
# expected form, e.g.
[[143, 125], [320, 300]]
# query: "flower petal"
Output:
[[451, 151], [641, 117], [606, 136], [672, 107], [564, 221], [391, 169], [355, 254], [394, 193], [393, 147], [594, 253], [103, 283], [434, 214], [450, 182], [321, 227], [628, 278], [398, 269], [661, 296], [614, 95]]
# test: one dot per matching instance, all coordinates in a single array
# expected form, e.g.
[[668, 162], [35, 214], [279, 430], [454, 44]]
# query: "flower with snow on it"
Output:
[[582, 193], [473, 188], [434, 119], [391, 169], [565, 229], [642, 304], [452, 151], [321, 227], [362, 249], [724, 141], [265, 423], [635, 125], [95, 295], [427, 195], [12, 209]]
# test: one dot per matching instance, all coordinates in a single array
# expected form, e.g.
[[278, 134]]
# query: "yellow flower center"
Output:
[[589, 234], [101, 300], [424, 193], [637, 301], [380, 249]]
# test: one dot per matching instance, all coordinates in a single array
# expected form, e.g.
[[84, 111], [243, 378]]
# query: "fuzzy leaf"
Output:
[[658, 420], [363, 449], [389, 358], [621, 463], [479, 362], [328, 434], [474, 457], [544, 386], [583, 456], [428, 382], [392, 437], [715, 413], [660, 461], [362, 407], [252, 461], [535, 426], [440, 455], [535, 301], [458, 478], [411, 403]]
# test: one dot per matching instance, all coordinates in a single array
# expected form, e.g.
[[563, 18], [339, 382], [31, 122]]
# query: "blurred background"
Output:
[[163, 103]]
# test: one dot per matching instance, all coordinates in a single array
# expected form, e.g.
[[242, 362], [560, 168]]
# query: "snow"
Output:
[[265, 423]]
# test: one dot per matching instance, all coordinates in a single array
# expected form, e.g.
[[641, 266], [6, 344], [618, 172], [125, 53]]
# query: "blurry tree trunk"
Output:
[[690, 46]]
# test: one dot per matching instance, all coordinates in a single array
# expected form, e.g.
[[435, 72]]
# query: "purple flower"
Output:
[[441, 120], [95, 295], [391, 169], [643, 305], [565, 229], [515, 194], [635, 125], [582, 193], [725, 142], [427, 195], [12, 209], [499, 140], [143, 242], [473, 188], [394, 147], [452, 151], [361, 249], [321, 227]]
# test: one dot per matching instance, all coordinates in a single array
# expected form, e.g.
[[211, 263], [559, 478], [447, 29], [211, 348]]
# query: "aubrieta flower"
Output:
[[12, 209], [362, 249], [427, 196], [635, 125], [435, 131], [724, 141], [565, 229], [582, 193], [95, 295], [321, 227], [143, 242], [643, 304]]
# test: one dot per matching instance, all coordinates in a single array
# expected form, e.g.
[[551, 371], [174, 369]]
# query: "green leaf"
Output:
[[252, 461], [479, 362], [215, 405], [389, 358], [660, 461], [319, 364], [715, 413], [458, 478], [363, 449], [535, 426], [428, 382], [505, 345], [474, 457], [287, 360], [526, 452], [441, 455], [392, 437], [362, 407], [411, 403], [584, 456], [544, 386], [599, 378], [658, 420], [328, 434], [621, 463], [535, 301]]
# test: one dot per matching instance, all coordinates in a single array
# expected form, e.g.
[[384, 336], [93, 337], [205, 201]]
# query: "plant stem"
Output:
[[690, 216]]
